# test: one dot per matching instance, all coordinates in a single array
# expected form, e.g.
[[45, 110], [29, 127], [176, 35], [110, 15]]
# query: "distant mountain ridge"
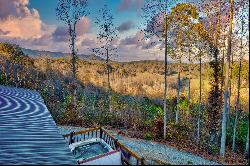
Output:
[[37, 53]]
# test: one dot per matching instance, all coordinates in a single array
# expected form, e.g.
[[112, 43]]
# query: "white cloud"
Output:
[[20, 21]]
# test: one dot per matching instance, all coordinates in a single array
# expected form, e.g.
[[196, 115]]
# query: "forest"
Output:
[[199, 102]]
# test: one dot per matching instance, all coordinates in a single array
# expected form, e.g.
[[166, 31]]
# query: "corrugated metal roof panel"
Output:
[[28, 133]]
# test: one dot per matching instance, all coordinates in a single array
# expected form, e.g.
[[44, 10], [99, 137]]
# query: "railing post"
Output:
[[101, 132], [71, 140], [116, 143], [142, 161]]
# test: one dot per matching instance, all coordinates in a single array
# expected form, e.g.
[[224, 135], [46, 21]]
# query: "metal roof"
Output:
[[28, 133]]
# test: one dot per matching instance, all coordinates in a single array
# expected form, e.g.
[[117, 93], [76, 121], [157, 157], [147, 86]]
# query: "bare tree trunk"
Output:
[[199, 111], [224, 117], [222, 67], [72, 33], [73, 38], [178, 94], [246, 153], [179, 42], [165, 83], [230, 89], [107, 63], [189, 75], [189, 78], [109, 87], [235, 128], [237, 106]]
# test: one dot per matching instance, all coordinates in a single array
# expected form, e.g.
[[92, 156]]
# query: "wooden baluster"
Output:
[[109, 140], [113, 145], [116, 143], [104, 135]]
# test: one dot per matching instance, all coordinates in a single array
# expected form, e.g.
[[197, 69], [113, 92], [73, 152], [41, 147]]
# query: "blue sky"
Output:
[[33, 24], [47, 13]]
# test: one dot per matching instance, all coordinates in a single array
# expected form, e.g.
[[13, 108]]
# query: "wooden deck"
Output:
[[28, 133]]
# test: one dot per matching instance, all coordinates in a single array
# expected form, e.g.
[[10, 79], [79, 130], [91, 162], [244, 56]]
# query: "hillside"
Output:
[[136, 96], [37, 53], [140, 78]]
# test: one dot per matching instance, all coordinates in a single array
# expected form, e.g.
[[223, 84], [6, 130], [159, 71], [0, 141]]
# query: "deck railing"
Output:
[[128, 156]]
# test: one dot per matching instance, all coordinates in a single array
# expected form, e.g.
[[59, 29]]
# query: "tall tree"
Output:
[[106, 36], [201, 46], [223, 47], [242, 16], [70, 12], [225, 109], [176, 52], [180, 20], [189, 68], [211, 22], [155, 15]]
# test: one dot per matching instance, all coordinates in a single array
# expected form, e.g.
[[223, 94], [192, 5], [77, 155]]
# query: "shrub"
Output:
[[2, 79], [180, 132], [213, 149], [148, 124], [148, 136], [241, 132]]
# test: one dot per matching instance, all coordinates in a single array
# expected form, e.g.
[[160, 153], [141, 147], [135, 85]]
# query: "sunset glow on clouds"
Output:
[[32, 24], [17, 20], [23, 25]]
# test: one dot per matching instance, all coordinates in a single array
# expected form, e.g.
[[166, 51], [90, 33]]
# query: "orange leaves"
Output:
[[186, 9]]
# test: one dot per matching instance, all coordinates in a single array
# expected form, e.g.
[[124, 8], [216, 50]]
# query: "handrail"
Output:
[[109, 134], [82, 132], [122, 146]]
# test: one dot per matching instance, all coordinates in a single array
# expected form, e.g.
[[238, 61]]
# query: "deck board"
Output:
[[28, 133]]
